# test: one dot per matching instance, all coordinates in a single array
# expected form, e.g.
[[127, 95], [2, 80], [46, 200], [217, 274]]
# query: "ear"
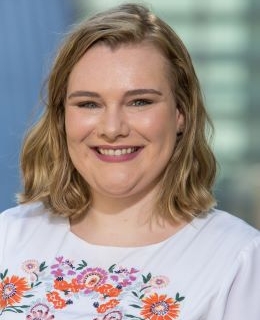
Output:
[[180, 122]]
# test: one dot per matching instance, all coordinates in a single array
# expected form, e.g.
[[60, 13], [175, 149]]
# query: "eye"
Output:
[[141, 102], [88, 105]]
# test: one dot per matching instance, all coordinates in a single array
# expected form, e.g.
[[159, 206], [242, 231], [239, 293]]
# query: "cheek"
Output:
[[77, 125], [160, 125]]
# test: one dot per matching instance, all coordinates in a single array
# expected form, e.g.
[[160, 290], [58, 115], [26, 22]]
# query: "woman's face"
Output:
[[121, 119]]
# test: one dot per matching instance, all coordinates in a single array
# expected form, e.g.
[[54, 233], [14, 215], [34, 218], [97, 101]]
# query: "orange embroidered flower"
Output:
[[109, 305], [160, 308], [75, 286], [12, 290], [61, 285], [56, 300], [108, 290]]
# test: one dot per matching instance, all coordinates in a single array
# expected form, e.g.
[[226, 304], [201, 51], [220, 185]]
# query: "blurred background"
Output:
[[223, 38]]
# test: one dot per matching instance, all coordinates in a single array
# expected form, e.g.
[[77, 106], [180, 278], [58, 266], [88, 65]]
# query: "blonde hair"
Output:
[[48, 173]]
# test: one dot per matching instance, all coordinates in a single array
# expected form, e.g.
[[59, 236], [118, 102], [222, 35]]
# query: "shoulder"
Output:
[[25, 216], [238, 260], [27, 213], [230, 227], [225, 235], [23, 211], [26, 223]]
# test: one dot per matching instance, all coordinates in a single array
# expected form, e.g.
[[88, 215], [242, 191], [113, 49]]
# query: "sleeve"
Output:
[[239, 297], [2, 237]]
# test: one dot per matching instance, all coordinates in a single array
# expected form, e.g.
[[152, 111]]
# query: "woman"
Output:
[[117, 218]]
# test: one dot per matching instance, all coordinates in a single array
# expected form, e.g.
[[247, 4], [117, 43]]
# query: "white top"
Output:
[[209, 270]]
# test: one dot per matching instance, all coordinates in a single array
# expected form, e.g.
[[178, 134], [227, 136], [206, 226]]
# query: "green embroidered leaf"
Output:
[[28, 296], [15, 309], [135, 294], [133, 317], [181, 298], [19, 311], [147, 278], [8, 309], [178, 298], [111, 269], [141, 296], [3, 275], [42, 266], [135, 306], [36, 284], [82, 265]]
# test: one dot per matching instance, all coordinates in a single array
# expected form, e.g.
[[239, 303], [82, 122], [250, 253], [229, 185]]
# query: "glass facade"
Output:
[[223, 38]]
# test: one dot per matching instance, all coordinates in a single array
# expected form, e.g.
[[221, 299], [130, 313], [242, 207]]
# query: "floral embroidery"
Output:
[[92, 278], [40, 311], [108, 305], [159, 282], [12, 290], [55, 298], [122, 276], [109, 291], [160, 308], [31, 267], [114, 315]]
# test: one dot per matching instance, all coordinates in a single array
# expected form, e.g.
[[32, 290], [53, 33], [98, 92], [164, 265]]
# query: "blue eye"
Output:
[[88, 105], [141, 102]]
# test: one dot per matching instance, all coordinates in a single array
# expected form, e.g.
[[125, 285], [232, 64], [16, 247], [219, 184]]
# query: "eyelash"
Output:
[[141, 102], [135, 103], [88, 105]]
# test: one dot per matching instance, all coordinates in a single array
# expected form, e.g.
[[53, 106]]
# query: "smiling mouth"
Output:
[[117, 152]]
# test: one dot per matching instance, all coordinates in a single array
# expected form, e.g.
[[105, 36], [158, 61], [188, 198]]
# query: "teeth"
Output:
[[116, 152]]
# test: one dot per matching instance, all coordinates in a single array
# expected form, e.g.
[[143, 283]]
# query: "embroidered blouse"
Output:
[[209, 270]]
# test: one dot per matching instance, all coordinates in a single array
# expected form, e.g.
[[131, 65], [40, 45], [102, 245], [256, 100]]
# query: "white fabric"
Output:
[[209, 270]]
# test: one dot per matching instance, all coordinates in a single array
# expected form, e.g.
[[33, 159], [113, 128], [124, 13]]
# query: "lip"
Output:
[[117, 153]]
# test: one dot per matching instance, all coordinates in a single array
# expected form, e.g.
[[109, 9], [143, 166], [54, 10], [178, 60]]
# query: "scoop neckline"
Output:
[[189, 226]]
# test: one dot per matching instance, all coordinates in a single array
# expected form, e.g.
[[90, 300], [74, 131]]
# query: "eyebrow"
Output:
[[128, 93]]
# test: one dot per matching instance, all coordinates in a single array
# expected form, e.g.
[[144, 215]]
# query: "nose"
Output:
[[113, 124]]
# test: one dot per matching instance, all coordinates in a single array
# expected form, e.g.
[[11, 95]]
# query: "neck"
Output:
[[123, 222], [137, 209]]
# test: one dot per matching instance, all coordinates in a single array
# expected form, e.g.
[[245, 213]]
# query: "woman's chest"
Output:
[[72, 286]]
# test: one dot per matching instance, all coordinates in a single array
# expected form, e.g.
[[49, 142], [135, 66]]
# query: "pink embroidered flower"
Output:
[[92, 278], [114, 315], [124, 277], [30, 266], [58, 273], [63, 267], [40, 311], [158, 282]]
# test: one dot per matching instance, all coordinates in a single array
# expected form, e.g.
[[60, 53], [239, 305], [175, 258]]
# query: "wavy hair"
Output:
[[48, 173]]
